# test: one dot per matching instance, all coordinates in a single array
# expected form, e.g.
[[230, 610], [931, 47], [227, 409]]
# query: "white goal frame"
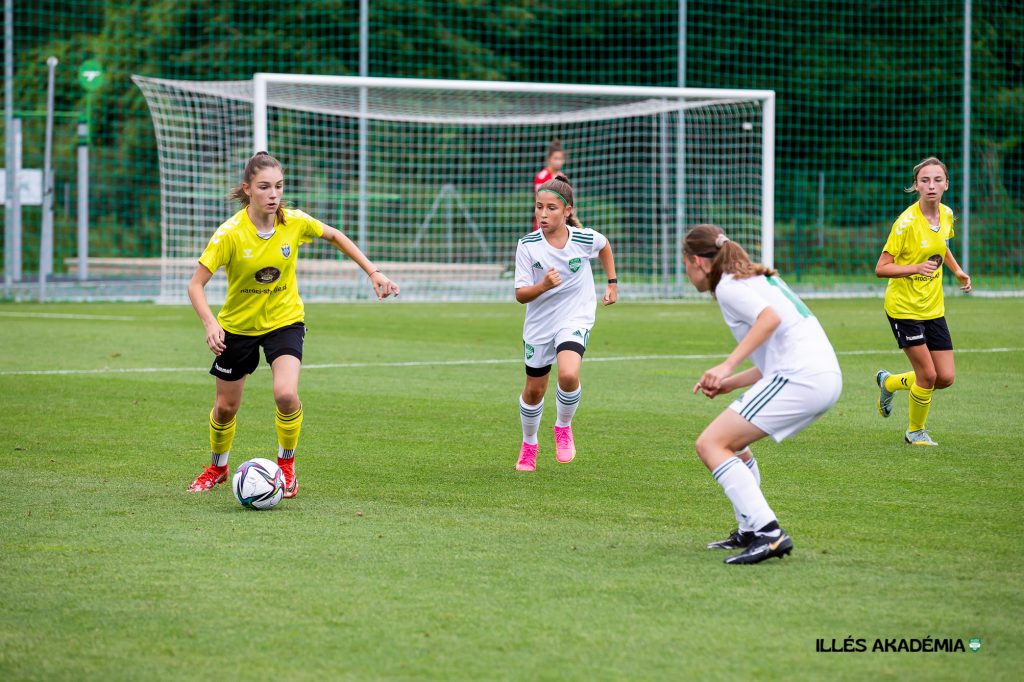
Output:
[[766, 97]]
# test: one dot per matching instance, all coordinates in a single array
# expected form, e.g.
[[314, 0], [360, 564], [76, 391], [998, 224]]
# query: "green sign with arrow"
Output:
[[90, 75]]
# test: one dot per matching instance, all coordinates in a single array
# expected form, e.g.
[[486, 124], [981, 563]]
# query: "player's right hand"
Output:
[[552, 279], [926, 268], [215, 339]]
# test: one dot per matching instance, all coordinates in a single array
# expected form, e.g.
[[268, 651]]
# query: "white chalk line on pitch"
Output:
[[442, 363], [81, 316]]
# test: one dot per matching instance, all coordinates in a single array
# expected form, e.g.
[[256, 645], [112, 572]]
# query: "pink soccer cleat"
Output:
[[211, 476], [565, 446], [527, 458]]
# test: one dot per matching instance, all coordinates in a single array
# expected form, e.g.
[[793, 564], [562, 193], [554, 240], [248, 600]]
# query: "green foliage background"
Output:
[[864, 90]]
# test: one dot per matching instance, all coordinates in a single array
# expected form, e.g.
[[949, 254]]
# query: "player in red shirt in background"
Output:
[[552, 167]]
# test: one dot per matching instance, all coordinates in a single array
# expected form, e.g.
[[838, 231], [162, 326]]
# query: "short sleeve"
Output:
[[311, 228], [600, 241], [740, 301], [894, 244], [217, 252], [524, 267]]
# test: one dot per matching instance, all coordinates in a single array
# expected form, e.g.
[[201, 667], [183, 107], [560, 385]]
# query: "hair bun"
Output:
[[262, 153], [562, 178], [720, 240]]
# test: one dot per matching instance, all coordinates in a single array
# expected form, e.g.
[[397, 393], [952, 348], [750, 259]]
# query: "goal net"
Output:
[[434, 179]]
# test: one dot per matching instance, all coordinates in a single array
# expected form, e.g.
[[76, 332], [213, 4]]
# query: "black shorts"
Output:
[[242, 354], [931, 333]]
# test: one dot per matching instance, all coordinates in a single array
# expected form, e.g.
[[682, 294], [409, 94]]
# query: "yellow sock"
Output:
[[899, 382], [920, 403], [288, 428], [221, 436]]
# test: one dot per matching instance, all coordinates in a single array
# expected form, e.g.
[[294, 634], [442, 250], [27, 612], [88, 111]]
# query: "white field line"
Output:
[[442, 363], [81, 316]]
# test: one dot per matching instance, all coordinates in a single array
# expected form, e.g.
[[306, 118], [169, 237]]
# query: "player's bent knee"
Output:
[[944, 381], [225, 410], [925, 379], [287, 401]]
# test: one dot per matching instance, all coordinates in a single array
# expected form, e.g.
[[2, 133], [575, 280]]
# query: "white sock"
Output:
[[744, 493], [741, 522], [568, 401], [220, 460], [285, 454], [752, 465], [530, 416]]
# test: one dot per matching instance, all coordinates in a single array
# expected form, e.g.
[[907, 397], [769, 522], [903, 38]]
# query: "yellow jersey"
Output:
[[912, 241], [262, 291]]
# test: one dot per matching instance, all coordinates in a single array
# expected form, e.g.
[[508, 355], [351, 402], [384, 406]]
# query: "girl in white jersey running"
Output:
[[795, 379], [554, 280]]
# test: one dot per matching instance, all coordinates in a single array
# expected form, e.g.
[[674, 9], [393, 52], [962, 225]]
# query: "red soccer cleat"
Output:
[[211, 476], [291, 486]]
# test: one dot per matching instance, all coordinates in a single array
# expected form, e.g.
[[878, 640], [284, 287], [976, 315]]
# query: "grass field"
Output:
[[414, 551]]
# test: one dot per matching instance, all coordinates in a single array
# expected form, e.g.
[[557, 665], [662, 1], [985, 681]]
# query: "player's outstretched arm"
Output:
[[886, 267], [958, 272], [382, 286], [764, 326], [747, 377], [197, 295], [611, 292]]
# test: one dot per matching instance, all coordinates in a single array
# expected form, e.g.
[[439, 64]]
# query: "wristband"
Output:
[[613, 280], [373, 273]]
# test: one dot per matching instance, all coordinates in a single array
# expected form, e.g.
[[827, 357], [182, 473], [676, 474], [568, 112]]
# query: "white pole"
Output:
[[681, 148], [83, 200], [965, 211], [259, 113], [663, 208], [768, 181], [11, 186], [364, 69], [46, 226], [15, 201]]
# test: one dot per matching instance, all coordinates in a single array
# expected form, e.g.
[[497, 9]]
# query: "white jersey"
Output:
[[572, 303], [797, 346]]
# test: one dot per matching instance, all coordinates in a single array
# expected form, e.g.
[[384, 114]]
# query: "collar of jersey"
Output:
[[262, 235], [567, 240]]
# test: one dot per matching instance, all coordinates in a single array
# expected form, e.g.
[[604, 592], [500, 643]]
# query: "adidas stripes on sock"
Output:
[[742, 490], [568, 401], [530, 416]]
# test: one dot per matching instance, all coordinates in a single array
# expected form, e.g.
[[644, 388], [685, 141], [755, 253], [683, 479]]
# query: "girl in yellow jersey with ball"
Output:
[[912, 259], [258, 247]]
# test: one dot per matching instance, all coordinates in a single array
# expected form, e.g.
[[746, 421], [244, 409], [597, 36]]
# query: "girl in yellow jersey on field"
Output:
[[912, 259], [258, 247]]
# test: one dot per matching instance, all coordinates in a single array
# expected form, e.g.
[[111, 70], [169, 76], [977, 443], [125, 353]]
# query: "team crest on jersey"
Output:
[[286, 250], [574, 264], [267, 275]]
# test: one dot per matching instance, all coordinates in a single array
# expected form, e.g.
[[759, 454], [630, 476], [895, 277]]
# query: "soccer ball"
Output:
[[258, 484]]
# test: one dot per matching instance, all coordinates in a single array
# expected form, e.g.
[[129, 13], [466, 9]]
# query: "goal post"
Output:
[[433, 178]]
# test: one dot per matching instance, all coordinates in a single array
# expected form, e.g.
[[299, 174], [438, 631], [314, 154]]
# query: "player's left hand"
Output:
[[382, 286], [965, 281], [611, 294]]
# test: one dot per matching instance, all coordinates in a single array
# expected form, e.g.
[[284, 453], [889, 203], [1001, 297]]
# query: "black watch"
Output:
[[613, 280]]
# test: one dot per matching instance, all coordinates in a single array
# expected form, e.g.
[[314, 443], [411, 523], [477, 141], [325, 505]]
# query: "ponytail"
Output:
[[726, 256], [258, 162]]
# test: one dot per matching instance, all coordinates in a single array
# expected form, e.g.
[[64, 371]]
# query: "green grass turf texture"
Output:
[[415, 551]]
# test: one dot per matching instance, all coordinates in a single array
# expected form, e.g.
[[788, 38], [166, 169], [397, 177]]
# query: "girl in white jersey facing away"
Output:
[[554, 280], [795, 379]]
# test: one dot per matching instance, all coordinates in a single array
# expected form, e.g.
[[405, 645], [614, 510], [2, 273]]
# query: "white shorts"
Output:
[[783, 405], [542, 355]]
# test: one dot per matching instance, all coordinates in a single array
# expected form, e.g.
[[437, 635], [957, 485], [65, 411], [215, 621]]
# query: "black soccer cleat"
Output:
[[738, 539], [763, 547]]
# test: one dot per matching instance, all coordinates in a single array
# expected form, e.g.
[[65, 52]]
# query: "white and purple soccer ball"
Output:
[[258, 484]]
